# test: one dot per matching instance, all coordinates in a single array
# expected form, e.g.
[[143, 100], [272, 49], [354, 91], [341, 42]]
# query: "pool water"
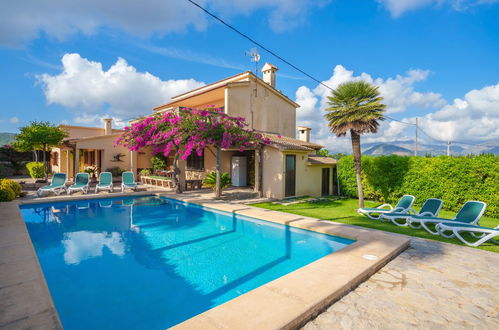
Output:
[[151, 262]]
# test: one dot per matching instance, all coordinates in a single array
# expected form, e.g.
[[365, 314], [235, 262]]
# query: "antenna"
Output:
[[255, 57]]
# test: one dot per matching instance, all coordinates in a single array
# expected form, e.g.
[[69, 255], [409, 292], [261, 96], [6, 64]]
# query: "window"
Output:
[[195, 162]]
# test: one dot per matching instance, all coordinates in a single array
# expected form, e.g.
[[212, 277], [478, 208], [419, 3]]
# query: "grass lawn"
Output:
[[343, 210]]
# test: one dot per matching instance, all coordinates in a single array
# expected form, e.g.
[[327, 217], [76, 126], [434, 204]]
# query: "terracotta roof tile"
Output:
[[287, 143], [321, 160]]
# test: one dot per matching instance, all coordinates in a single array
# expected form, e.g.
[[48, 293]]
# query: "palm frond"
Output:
[[355, 106]]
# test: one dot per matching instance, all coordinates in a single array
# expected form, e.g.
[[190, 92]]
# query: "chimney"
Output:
[[108, 126], [304, 133], [269, 71]]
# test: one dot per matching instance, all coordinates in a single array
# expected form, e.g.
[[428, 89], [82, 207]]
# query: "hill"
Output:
[[6, 138]]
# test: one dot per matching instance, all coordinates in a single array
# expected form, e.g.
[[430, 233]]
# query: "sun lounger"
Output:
[[403, 206], [128, 181], [483, 234], [105, 182], [81, 183], [57, 185], [430, 208], [470, 213]]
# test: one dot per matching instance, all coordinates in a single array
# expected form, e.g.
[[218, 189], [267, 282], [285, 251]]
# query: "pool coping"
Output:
[[287, 302]]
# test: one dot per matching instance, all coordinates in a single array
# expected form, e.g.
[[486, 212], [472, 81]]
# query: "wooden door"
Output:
[[325, 181], [290, 176]]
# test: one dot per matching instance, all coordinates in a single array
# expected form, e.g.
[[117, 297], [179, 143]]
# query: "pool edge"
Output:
[[287, 302], [297, 297], [25, 299]]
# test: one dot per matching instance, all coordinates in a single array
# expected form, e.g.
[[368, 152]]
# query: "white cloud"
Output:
[[22, 21], [121, 90], [190, 56], [399, 95], [398, 7], [83, 245], [87, 119], [12, 120], [475, 117]]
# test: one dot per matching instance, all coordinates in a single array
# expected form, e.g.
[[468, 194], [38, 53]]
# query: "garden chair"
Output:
[[57, 185], [105, 182], [430, 208], [482, 233], [128, 181], [82, 181], [469, 213], [403, 206]]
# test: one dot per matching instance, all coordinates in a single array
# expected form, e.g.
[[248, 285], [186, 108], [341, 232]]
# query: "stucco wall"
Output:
[[144, 158], [273, 173], [270, 112], [309, 177], [106, 144]]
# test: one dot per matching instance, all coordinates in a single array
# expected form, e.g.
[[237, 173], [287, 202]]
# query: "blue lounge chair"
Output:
[[128, 181], [57, 186], [105, 182], [81, 183], [483, 234], [430, 208], [403, 206], [469, 213]]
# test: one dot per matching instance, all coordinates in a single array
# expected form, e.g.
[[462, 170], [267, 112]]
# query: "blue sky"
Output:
[[433, 59]]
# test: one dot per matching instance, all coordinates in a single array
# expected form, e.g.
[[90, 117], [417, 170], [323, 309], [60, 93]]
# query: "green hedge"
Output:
[[35, 169], [455, 180]]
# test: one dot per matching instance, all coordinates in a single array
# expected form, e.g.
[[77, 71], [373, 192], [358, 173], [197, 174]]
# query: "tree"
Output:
[[39, 136], [189, 130], [355, 107]]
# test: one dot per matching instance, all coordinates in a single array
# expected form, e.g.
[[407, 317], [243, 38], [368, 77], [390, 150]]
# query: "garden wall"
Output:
[[455, 180]]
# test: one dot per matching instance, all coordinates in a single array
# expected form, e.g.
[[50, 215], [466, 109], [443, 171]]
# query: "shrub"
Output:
[[159, 162], [211, 180], [35, 169], [6, 192], [16, 187], [455, 180], [116, 171], [145, 172]]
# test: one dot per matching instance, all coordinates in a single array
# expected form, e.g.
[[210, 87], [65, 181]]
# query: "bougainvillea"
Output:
[[187, 130]]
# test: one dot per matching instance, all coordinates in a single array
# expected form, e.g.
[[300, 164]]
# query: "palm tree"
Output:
[[355, 107]]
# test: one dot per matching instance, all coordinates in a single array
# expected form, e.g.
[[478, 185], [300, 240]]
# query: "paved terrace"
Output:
[[430, 285]]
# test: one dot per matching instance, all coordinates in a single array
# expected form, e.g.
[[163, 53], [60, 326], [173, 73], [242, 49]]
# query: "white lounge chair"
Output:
[[469, 213], [483, 234], [105, 182], [403, 206], [128, 181], [430, 208], [81, 183], [57, 186]]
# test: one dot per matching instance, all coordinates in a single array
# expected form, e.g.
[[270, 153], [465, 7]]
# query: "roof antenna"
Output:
[[255, 57]]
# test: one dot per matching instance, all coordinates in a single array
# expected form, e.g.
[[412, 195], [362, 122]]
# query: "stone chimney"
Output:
[[108, 126], [269, 71], [304, 133]]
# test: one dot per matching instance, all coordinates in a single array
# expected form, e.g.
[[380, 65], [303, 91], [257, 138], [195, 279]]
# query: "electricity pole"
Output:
[[416, 144]]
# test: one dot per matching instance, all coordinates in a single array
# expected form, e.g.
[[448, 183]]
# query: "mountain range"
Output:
[[6, 138], [406, 148]]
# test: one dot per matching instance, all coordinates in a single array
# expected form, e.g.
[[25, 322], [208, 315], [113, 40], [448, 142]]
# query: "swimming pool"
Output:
[[151, 262]]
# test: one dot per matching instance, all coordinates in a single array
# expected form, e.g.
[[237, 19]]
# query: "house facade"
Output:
[[286, 167]]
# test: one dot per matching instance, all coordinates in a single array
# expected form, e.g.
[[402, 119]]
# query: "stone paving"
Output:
[[431, 285]]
